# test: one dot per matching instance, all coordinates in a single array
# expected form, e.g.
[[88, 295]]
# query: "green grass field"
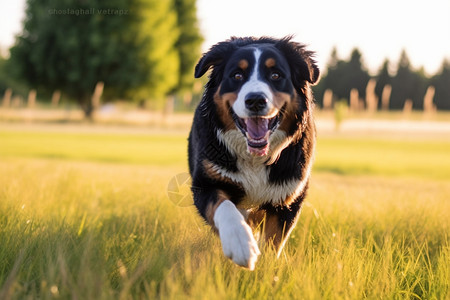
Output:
[[87, 216]]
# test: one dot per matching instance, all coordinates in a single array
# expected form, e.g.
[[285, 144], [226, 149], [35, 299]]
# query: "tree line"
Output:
[[143, 50], [407, 86], [135, 49]]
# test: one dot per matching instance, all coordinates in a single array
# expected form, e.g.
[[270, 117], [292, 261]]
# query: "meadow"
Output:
[[84, 214]]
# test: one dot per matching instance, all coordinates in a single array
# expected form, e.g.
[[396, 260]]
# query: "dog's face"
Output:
[[256, 88]]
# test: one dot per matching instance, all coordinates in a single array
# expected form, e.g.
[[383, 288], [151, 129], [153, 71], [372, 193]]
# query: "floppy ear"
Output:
[[208, 59], [311, 72], [215, 56], [303, 65]]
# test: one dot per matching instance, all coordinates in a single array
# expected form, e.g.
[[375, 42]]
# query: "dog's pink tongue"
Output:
[[257, 127], [257, 136]]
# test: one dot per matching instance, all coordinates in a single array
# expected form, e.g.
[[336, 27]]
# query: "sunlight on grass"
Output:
[[114, 148], [83, 226], [386, 157]]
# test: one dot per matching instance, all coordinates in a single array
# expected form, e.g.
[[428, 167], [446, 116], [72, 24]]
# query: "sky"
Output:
[[380, 29]]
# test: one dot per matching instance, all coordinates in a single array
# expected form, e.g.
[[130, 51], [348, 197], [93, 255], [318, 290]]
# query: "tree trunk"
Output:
[[86, 105], [90, 103]]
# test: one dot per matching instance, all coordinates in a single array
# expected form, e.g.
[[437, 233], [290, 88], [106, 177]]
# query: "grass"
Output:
[[384, 157], [158, 150], [86, 216]]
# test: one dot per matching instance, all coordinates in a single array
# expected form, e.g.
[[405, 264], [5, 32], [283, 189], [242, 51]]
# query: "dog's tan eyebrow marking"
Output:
[[270, 62], [243, 64]]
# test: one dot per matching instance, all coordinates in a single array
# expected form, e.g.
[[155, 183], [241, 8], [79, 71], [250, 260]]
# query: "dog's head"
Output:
[[259, 86]]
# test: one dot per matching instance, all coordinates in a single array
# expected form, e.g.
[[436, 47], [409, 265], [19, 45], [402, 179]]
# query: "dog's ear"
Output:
[[208, 59], [214, 57], [303, 65], [311, 73]]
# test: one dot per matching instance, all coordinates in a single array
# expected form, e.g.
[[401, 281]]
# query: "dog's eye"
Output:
[[238, 76], [275, 76]]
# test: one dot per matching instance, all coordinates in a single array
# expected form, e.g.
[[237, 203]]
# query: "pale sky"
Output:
[[380, 29]]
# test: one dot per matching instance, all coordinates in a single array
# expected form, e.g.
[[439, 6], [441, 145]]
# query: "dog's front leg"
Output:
[[238, 242], [277, 223]]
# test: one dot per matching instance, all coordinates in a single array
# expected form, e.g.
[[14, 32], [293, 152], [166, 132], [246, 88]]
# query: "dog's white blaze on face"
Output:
[[253, 85]]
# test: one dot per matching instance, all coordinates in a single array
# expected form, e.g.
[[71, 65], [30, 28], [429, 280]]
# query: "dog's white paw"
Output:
[[236, 236]]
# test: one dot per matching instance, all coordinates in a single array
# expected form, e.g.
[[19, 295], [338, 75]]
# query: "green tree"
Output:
[[157, 31], [421, 83], [441, 82], [407, 84], [6, 81], [326, 79], [188, 43], [130, 45], [64, 45], [334, 78], [342, 76], [357, 74], [383, 78]]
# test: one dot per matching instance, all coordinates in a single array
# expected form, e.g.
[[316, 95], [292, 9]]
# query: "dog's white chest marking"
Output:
[[253, 173]]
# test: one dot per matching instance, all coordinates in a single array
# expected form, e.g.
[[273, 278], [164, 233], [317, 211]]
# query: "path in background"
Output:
[[140, 123], [401, 128]]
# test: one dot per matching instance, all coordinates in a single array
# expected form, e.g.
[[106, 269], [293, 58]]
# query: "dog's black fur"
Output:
[[218, 160]]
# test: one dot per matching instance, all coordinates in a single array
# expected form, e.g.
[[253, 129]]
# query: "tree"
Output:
[[157, 31], [326, 80], [441, 82], [7, 82], [343, 76], [334, 78], [357, 74], [188, 43], [66, 46], [421, 83], [407, 84], [383, 79], [71, 45]]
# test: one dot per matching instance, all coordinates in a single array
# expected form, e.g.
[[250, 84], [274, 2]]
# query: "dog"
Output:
[[251, 145]]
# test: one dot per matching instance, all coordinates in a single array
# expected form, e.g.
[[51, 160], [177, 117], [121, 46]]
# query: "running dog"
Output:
[[251, 146]]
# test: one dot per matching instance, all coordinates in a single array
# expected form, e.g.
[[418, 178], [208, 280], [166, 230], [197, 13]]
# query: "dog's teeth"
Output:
[[257, 141], [261, 140]]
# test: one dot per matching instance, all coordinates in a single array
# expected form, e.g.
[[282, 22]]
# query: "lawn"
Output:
[[85, 215]]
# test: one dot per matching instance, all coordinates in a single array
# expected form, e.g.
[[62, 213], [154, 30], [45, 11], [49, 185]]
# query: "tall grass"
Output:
[[76, 227]]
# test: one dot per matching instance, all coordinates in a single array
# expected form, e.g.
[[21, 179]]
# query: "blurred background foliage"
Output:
[[139, 49], [341, 76], [145, 51]]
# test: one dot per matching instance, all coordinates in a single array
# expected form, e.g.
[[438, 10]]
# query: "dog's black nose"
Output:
[[255, 102]]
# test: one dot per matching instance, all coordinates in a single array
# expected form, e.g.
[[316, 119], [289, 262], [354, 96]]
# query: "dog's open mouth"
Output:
[[257, 131]]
